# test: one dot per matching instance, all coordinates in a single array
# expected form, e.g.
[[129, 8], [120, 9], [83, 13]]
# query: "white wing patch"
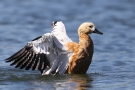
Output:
[[46, 53], [59, 32]]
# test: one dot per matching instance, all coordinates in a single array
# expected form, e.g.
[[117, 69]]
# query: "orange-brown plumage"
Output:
[[82, 52], [82, 56]]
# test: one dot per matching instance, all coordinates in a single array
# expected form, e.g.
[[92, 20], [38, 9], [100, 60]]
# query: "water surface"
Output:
[[112, 67]]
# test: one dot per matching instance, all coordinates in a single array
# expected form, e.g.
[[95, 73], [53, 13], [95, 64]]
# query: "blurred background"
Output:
[[113, 61]]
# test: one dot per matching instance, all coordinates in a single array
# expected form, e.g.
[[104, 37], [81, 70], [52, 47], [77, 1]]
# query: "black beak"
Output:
[[96, 31]]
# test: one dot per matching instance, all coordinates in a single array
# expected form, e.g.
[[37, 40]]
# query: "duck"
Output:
[[55, 53]]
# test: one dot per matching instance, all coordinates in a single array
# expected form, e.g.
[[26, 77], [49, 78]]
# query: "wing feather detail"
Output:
[[29, 65], [35, 62], [46, 53]]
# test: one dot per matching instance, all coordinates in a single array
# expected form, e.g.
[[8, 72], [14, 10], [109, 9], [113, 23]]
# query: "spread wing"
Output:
[[45, 53]]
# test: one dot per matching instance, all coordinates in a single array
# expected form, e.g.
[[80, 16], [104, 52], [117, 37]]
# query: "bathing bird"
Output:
[[55, 53]]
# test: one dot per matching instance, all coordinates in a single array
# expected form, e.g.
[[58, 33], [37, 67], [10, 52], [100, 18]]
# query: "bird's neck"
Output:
[[86, 43], [85, 40]]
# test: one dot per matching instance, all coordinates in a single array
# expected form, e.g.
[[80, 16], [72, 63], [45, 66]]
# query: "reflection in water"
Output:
[[83, 81], [77, 82], [73, 82]]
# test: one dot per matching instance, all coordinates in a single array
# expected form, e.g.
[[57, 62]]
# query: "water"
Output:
[[112, 67]]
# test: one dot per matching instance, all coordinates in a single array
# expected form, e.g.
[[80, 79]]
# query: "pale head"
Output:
[[87, 28]]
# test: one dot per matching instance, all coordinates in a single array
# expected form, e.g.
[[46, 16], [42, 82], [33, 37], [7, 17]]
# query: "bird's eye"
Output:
[[90, 26]]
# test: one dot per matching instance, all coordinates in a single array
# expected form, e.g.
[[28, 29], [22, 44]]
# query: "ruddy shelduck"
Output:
[[55, 53]]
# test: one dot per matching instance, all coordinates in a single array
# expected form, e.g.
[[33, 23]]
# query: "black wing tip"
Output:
[[17, 54], [12, 64], [19, 59], [7, 60]]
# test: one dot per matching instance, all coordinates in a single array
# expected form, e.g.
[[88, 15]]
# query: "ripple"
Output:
[[113, 60]]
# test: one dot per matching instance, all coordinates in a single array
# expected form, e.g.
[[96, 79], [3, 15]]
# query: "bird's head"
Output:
[[88, 28]]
